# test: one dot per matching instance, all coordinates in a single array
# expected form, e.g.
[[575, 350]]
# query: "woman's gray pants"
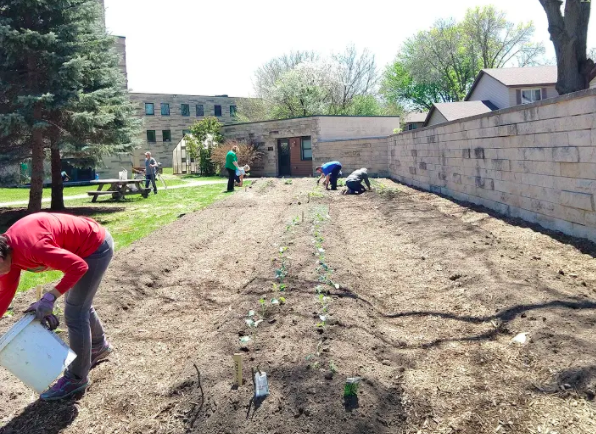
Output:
[[84, 327]]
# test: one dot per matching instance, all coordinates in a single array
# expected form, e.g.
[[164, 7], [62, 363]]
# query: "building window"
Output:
[[217, 110], [529, 96], [185, 133], [232, 111], [185, 110], [167, 135], [151, 136], [165, 109], [412, 127], [149, 109], [200, 110], [306, 148]]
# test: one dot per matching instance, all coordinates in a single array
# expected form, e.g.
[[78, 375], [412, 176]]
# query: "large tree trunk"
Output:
[[569, 34], [37, 157], [57, 184]]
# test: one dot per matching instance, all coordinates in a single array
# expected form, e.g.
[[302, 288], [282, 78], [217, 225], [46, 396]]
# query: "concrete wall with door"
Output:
[[318, 128], [536, 161], [267, 134]]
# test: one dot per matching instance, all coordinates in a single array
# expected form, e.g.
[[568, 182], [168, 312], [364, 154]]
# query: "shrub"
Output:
[[247, 153]]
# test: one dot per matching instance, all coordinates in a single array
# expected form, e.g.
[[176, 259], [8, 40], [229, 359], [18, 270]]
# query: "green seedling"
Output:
[[8, 313], [288, 181], [263, 307], [332, 367], [282, 300], [283, 287]]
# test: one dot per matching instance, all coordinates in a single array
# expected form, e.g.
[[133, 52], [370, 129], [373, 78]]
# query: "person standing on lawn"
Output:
[[231, 166], [82, 249], [354, 181], [330, 171], [150, 168]]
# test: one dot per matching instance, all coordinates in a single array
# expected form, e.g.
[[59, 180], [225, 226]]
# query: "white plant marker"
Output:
[[238, 368]]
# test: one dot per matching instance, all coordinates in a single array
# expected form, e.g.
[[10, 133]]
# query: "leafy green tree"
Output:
[[61, 86], [440, 64], [399, 87], [498, 42], [569, 33], [204, 136]]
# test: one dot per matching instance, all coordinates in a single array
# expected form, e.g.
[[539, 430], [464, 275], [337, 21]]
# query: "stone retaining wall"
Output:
[[536, 162]]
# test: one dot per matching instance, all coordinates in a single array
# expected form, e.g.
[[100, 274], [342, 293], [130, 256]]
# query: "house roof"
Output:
[[514, 77], [461, 109], [412, 118]]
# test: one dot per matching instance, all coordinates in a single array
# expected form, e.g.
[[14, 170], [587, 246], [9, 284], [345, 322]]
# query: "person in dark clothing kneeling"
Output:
[[354, 181], [330, 171]]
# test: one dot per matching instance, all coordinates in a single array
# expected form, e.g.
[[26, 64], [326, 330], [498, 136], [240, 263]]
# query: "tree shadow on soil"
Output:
[[499, 320], [571, 382], [9, 216], [584, 246], [42, 418]]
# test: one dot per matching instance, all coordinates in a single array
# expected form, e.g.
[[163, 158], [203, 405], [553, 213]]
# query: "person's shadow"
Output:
[[42, 418]]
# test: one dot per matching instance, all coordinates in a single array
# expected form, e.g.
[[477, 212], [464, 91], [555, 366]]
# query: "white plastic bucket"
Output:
[[123, 175], [35, 355]]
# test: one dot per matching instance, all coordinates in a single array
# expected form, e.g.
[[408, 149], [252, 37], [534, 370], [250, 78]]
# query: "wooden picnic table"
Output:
[[119, 188]]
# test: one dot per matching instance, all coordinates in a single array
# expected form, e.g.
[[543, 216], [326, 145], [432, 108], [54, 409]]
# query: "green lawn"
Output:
[[135, 218], [22, 194], [19, 194]]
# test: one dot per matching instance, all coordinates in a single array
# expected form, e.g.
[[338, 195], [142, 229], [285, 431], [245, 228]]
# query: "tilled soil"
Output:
[[417, 295]]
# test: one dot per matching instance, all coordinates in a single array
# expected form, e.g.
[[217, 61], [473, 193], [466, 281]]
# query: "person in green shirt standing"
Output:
[[231, 166]]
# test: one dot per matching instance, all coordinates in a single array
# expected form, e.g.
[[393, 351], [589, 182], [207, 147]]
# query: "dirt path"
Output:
[[415, 294]]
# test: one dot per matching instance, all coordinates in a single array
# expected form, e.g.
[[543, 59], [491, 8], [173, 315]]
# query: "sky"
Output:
[[206, 47]]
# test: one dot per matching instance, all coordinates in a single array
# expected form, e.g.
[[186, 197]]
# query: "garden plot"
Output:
[[416, 295]]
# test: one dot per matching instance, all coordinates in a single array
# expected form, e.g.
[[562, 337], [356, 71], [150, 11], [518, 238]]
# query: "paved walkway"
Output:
[[83, 196]]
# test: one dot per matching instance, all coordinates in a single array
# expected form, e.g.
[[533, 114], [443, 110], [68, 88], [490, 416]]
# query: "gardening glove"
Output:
[[44, 310], [318, 181], [50, 322]]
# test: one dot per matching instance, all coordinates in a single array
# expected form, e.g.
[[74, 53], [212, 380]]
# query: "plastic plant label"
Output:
[[351, 386], [245, 339], [261, 385]]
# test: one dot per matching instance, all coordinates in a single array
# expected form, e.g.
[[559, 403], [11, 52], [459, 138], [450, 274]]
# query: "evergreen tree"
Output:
[[61, 87]]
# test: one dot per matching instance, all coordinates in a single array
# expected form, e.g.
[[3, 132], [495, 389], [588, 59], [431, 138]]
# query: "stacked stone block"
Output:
[[536, 162]]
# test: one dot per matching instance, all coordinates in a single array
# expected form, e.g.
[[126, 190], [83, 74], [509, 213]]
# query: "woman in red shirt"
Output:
[[82, 249]]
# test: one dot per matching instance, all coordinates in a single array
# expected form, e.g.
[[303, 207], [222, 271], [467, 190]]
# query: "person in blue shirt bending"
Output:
[[330, 171]]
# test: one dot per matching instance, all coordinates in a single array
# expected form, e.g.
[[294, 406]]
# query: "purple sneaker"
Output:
[[64, 388], [101, 354]]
